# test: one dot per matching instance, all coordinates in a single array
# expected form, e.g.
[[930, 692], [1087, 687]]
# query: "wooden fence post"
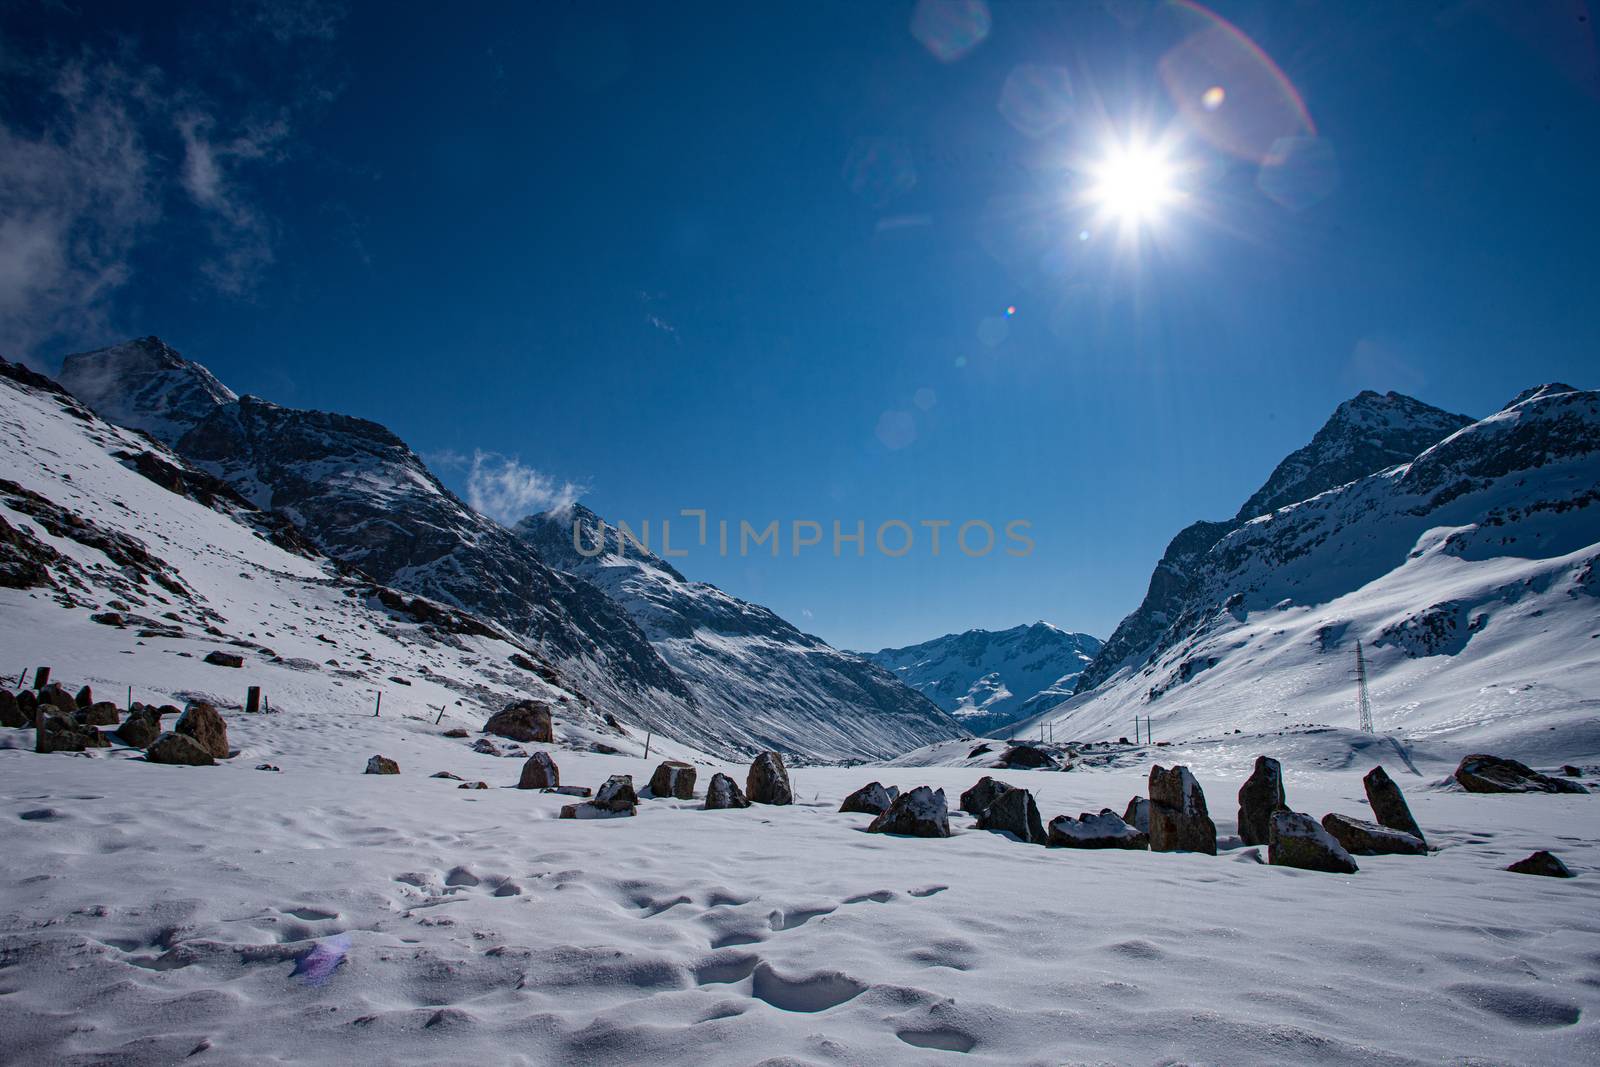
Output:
[[252, 700]]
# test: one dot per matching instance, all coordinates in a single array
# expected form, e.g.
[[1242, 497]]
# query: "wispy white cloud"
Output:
[[241, 234], [505, 489]]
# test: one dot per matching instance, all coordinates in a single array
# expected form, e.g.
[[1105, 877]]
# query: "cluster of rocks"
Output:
[[73, 722]]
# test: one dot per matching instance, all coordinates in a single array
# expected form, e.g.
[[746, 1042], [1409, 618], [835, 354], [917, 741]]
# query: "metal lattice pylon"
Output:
[[1363, 703]]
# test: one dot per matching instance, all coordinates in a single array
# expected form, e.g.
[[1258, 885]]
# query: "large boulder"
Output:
[[1389, 804], [1105, 830], [1027, 758], [1541, 862], [525, 720], [768, 780], [673, 778], [724, 792], [1493, 774], [382, 765], [1363, 838], [870, 799], [178, 749], [224, 659], [919, 813], [56, 731], [1179, 821], [976, 800], [540, 772], [202, 722], [11, 713], [140, 728], [100, 713], [1298, 840], [1137, 815], [1259, 797], [83, 697], [1014, 812], [58, 698]]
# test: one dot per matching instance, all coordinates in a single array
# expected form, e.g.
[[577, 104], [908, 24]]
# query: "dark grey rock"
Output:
[[1179, 821], [1014, 812], [724, 792], [11, 713], [57, 731], [617, 794], [1298, 840], [140, 729], [1389, 804], [224, 659], [1494, 774], [1105, 830], [1259, 797], [100, 713], [768, 780], [870, 799], [1362, 838], [1026, 757], [919, 813], [976, 800], [1542, 863], [202, 722], [1137, 815]]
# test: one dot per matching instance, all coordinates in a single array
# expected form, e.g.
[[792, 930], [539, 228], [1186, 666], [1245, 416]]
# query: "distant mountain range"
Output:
[[654, 650], [991, 679]]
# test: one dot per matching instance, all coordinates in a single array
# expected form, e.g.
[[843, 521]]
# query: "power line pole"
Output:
[[1362, 703]]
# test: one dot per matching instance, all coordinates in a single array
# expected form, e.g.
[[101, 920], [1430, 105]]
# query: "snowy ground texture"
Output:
[[150, 912]]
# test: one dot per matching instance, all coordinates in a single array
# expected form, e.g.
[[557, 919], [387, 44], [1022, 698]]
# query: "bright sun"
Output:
[[1133, 182]]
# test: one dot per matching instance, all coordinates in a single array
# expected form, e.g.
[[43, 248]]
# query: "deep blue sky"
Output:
[[635, 247]]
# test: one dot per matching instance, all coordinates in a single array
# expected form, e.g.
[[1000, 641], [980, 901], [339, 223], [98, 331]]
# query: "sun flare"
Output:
[[1134, 182]]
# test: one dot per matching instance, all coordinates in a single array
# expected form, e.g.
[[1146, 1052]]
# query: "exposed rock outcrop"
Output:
[[1363, 838], [179, 750], [1542, 863], [870, 799], [525, 720], [382, 765], [976, 800], [1027, 758], [1494, 774]]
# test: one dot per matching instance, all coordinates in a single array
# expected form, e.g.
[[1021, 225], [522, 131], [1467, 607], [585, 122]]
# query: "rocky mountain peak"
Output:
[[147, 385]]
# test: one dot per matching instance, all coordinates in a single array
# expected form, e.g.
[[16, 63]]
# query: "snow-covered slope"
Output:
[[123, 566], [989, 679], [1471, 575], [753, 675], [722, 674], [1365, 434]]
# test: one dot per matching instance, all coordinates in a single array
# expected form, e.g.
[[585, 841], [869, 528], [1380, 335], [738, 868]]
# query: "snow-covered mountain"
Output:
[[990, 679], [1365, 434], [362, 496], [122, 565], [749, 670], [1471, 574]]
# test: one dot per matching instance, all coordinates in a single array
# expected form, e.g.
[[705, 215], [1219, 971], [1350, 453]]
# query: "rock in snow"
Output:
[[202, 722], [540, 772], [179, 749], [382, 765], [1298, 840], [1137, 814], [1363, 838], [1389, 804], [768, 780], [1105, 830], [673, 778], [919, 813], [1492, 774], [1014, 812], [1027, 758], [724, 792], [870, 799], [140, 728], [1542, 863], [1259, 797], [1178, 818], [976, 800], [525, 720], [614, 799]]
